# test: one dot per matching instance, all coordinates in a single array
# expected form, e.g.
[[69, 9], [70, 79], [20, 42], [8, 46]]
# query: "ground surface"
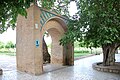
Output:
[[82, 70]]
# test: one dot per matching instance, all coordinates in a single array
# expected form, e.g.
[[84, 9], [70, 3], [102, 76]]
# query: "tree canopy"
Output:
[[96, 23], [9, 10]]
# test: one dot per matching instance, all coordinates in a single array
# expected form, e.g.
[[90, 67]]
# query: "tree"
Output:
[[97, 24], [9, 10], [10, 45], [1, 45]]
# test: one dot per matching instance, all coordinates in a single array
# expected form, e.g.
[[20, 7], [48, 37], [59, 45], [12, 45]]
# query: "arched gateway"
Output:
[[30, 33]]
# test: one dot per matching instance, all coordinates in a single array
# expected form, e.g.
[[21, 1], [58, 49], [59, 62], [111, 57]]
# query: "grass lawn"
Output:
[[14, 54], [77, 52], [80, 54], [9, 54]]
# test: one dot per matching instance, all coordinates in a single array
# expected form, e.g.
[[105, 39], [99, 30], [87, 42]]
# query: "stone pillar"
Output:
[[28, 51], [69, 54]]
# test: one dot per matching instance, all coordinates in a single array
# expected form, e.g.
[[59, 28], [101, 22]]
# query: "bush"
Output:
[[9, 45], [2, 45]]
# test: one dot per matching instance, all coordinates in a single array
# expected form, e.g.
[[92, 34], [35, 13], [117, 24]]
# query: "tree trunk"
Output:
[[116, 51], [46, 55], [109, 53]]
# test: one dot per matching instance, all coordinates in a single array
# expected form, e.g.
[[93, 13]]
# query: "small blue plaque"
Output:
[[37, 43]]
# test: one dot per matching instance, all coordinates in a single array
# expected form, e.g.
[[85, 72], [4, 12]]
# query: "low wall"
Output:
[[112, 69]]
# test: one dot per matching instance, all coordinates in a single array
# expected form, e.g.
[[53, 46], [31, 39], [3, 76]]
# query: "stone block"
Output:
[[110, 70], [102, 69], [98, 69], [115, 71], [106, 70]]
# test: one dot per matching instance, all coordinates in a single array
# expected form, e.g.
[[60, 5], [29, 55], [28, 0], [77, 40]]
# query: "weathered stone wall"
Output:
[[30, 33], [112, 69], [27, 58]]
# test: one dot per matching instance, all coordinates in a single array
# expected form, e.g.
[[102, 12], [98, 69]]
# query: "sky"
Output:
[[72, 8], [10, 35]]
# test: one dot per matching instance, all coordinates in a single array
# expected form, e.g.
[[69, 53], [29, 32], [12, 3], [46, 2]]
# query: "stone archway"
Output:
[[30, 32], [56, 32]]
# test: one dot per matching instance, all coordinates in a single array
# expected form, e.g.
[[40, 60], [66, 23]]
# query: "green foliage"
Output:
[[97, 23], [9, 45], [9, 10], [58, 6], [47, 4], [8, 53], [76, 55], [1, 45]]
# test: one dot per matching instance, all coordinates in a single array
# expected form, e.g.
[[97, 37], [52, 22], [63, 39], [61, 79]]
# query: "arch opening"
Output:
[[54, 55], [46, 48], [30, 33]]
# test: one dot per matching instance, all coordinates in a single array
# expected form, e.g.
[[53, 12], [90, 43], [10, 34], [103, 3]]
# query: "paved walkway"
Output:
[[82, 70]]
